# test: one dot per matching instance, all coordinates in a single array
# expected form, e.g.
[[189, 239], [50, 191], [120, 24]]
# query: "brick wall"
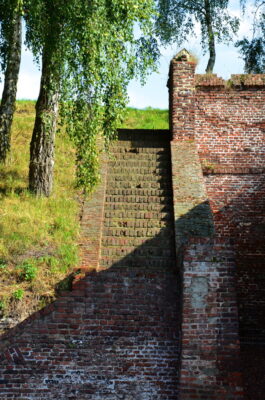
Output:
[[113, 337], [210, 365], [92, 216], [228, 130], [230, 122]]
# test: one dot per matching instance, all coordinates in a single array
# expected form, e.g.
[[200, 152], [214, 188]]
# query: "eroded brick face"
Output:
[[228, 132], [115, 335]]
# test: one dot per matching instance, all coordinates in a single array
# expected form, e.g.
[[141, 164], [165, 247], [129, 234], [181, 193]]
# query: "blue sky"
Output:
[[154, 93]]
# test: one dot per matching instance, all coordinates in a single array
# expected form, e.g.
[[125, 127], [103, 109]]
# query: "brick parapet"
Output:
[[239, 81], [181, 98]]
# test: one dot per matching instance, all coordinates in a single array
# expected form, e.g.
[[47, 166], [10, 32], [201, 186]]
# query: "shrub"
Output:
[[18, 294], [27, 271]]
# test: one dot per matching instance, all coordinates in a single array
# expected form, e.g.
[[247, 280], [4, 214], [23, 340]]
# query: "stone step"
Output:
[[157, 207], [135, 163], [139, 199], [139, 232], [138, 215], [139, 150], [139, 185], [138, 192], [136, 223], [144, 134], [138, 171], [165, 156], [159, 242], [141, 141], [138, 262], [145, 251], [137, 179]]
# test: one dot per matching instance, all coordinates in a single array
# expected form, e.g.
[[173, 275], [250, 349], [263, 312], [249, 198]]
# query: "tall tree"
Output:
[[253, 50], [10, 52], [176, 20], [89, 54]]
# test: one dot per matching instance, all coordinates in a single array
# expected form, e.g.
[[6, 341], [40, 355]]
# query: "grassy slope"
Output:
[[148, 118], [38, 237]]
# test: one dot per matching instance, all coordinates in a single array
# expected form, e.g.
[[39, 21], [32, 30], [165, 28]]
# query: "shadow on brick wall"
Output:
[[116, 335]]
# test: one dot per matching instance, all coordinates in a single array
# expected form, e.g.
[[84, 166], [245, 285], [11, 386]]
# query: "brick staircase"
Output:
[[138, 216], [116, 335]]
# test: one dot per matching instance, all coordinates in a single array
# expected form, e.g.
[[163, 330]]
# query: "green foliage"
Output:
[[27, 270], [3, 264], [2, 305], [8, 9], [18, 294], [253, 50], [93, 53], [176, 20]]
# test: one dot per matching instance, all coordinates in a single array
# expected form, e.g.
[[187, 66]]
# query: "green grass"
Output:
[[149, 118], [39, 236], [35, 234]]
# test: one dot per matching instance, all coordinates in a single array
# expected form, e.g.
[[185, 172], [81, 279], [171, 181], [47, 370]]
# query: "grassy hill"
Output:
[[39, 237]]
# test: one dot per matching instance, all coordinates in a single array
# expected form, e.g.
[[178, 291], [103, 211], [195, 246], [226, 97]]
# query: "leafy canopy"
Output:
[[94, 54], [8, 10], [253, 50], [177, 19]]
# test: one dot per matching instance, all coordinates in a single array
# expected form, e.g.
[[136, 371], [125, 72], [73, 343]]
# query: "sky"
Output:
[[154, 93]]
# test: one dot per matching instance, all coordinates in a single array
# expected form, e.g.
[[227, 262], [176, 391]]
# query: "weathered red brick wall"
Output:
[[92, 217], [210, 364], [113, 337], [228, 128], [230, 122], [230, 132]]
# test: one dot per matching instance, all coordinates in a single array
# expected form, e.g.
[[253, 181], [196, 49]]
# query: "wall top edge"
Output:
[[236, 80]]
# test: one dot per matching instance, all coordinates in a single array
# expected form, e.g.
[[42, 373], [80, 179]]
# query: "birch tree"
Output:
[[89, 54], [10, 53]]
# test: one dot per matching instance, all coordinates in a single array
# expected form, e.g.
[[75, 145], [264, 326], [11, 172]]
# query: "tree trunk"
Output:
[[8, 102], [43, 137], [211, 40]]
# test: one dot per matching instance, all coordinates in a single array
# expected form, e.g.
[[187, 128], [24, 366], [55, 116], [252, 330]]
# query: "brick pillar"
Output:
[[181, 96], [210, 363]]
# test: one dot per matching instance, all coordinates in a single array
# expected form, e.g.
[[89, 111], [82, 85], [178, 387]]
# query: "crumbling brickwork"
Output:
[[228, 132]]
